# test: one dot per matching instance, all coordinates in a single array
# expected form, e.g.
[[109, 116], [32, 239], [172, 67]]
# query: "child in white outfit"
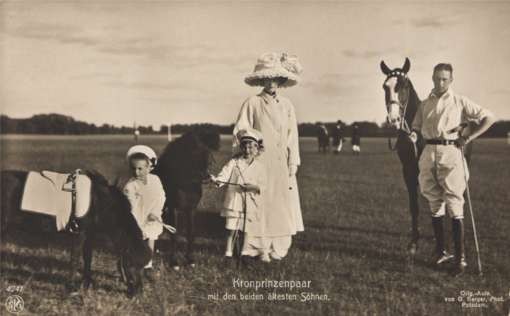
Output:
[[243, 207], [146, 195]]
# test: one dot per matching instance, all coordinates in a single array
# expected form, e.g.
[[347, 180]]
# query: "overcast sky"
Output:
[[183, 62]]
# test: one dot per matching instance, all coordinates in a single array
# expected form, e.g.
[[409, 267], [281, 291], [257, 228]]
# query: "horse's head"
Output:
[[397, 88], [209, 136], [113, 215]]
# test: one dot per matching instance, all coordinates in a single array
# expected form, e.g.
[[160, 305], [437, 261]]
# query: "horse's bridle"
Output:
[[403, 126]]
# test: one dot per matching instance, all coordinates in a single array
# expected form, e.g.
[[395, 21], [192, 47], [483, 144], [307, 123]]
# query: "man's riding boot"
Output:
[[441, 254], [458, 239]]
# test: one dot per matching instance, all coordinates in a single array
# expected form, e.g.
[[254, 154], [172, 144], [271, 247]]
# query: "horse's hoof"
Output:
[[176, 268]]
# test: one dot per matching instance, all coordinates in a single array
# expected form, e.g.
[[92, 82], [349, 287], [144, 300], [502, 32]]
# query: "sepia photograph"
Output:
[[169, 157]]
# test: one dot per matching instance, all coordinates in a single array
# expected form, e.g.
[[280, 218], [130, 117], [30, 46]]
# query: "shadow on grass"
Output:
[[37, 263], [324, 226], [367, 247]]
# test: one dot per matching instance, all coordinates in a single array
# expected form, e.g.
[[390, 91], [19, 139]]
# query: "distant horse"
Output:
[[402, 103], [109, 213], [182, 168], [323, 138]]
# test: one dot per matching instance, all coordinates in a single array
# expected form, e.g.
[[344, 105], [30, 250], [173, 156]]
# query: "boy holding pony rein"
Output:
[[146, 195]]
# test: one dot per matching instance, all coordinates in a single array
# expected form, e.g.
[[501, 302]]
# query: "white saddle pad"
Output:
[[47, 193]]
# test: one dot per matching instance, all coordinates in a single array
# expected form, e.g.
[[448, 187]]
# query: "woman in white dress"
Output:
[[274, 116]]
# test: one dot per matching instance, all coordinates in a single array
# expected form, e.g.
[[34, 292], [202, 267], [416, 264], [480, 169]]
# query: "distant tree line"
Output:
[[67, 125]]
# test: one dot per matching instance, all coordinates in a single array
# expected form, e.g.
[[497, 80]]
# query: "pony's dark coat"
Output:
[[109, 214], [182, 168]]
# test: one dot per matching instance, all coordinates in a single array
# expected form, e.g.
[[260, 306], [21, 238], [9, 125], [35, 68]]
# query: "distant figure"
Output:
[[355, 140], [322, 137], [136, 134], [338, 138]]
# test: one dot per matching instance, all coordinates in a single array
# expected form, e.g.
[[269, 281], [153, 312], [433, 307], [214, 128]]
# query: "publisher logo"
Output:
[[14, 304]]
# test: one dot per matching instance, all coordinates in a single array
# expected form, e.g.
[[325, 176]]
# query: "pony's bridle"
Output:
[[403, 125]]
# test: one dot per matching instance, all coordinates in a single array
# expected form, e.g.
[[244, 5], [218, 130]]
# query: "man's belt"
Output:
[[440, 141]]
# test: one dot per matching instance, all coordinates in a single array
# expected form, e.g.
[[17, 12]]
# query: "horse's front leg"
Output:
[[77, 241], [172, 257], [87, 263], [190, 236], [411, 179]]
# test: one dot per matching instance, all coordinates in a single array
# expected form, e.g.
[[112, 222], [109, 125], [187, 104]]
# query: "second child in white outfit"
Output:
[[243, 209]]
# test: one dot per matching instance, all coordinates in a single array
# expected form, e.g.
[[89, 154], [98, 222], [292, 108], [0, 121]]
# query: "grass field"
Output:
[[352, 250]]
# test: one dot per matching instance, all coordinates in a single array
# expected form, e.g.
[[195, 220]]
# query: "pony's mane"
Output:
[[125, 215], [121, 208], [201, 136], [180, 155]]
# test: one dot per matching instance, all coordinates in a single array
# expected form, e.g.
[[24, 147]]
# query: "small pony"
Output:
[[109, 213], [182, 168]]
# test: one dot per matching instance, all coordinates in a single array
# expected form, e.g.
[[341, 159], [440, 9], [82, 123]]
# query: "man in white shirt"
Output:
[[442, 173]]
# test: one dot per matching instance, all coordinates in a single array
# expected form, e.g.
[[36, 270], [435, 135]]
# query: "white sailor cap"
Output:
[[249, 134], [146, 150]]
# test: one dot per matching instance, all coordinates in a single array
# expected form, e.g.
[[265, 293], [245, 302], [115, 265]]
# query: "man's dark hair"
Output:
[[443, 66]]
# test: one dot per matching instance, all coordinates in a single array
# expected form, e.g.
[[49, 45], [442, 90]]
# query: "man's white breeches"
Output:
[[442, 180]]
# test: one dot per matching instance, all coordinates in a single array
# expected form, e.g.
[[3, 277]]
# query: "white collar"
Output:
[[444, 95], [268, 98]]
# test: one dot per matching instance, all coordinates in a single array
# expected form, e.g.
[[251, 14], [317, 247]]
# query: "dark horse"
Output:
[[182, 168], [402, 103], [109, 213]]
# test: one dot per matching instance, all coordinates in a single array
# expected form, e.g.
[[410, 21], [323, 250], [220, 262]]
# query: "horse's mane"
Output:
[[187, 154], [198, 137], [120, 208], [412, 103]]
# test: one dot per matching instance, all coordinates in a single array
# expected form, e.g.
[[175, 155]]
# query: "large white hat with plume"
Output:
[[275, 65]]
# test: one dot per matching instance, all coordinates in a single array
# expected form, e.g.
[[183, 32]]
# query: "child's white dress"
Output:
[[238, 171], [146, 199]]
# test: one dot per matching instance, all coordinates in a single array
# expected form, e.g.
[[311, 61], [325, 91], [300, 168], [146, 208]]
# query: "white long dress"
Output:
[[275, 118], [146, 199]]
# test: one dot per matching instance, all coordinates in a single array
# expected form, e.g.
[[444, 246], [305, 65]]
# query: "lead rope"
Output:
[[236, 235]]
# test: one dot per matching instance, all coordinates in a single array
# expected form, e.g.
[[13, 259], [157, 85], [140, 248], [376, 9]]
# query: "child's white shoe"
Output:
[[275, 256], [149, 265], [228, 254], [265, 257]]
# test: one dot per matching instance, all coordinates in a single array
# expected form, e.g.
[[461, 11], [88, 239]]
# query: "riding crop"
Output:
[[470, 205], [236, 233], [170, 228], [479, 261]]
